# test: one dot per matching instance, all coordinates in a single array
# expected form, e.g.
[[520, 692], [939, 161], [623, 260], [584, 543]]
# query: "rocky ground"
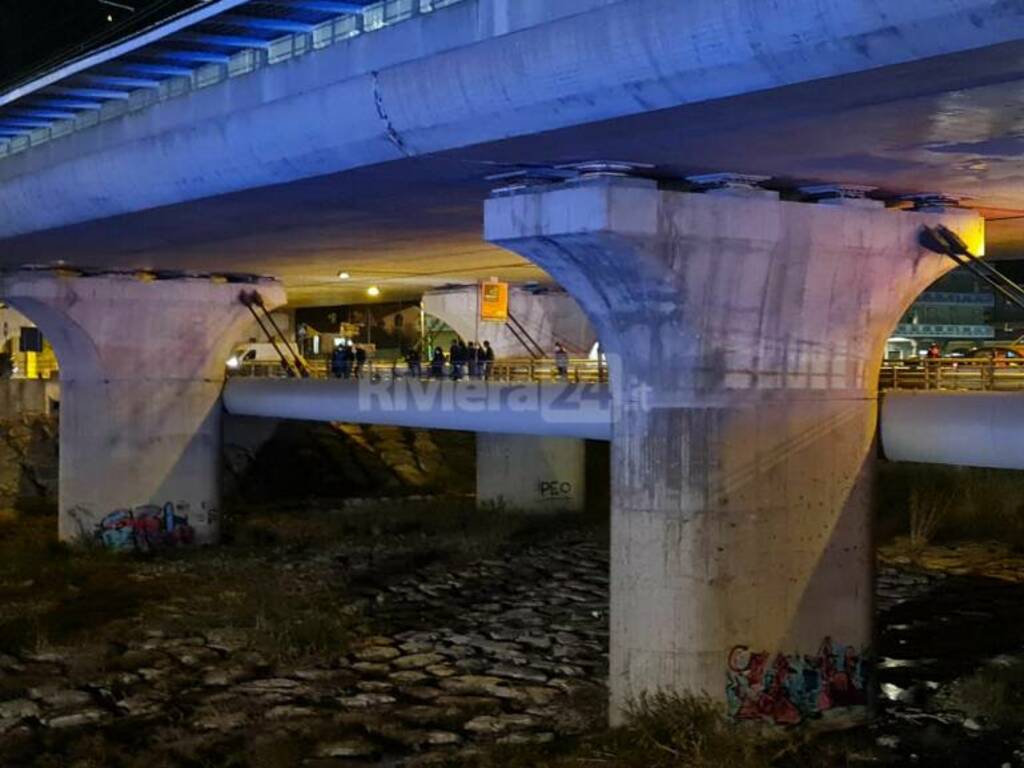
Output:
[[28, 460], [426, 636], [950, 655], [507, 649]]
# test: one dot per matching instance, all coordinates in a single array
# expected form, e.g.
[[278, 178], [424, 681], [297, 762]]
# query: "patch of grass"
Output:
[[994, 694], [454, 527], [671, 731], [949, 504], [290, 584], [51, 593], [928, 509]]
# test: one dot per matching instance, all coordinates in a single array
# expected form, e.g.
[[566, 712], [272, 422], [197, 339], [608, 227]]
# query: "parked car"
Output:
[[1000, 355]]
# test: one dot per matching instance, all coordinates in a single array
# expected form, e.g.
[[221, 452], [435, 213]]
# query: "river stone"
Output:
[[527, 738], [408, 677], [374, 686], [377, 654], [18, 708], [524, 674], [371, 669], [472, 705], [442, 670], [420, 692], [354, 747], [61, 698], [442, 738], [75, 719], [366, 700], [417, 661], [495, 724]]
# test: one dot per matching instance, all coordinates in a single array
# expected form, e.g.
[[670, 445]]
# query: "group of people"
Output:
[[347, 361], [463, 359]]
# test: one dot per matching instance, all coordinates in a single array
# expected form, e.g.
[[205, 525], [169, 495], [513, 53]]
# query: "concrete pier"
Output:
[[534, 474], [744, 337], [142, 368]]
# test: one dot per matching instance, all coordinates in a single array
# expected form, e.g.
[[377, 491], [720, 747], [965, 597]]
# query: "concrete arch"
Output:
[[142, 369], [38, 302], [744, 336], [550, 315]]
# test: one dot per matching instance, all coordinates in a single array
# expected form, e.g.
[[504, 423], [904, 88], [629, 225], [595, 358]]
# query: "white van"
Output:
[[253, 354]]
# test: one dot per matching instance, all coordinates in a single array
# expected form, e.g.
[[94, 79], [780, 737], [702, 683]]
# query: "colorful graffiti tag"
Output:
[[147, 527], [786, 690]]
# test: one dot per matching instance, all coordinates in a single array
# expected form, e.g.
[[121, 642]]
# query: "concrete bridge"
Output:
[[744, 316]]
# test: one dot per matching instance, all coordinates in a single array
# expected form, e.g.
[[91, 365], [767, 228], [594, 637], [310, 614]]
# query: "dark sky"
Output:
[[34, 33]]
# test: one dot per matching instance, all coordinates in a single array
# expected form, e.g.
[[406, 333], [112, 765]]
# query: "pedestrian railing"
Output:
[[510, 371], [973, 374], [957, 373]]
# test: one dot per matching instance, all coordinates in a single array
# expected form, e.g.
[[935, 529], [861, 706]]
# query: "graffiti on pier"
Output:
[[786, 690], [146, 527]]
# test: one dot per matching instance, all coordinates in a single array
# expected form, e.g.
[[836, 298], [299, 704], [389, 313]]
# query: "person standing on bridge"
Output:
[[437, 364], [472, 360], [456, 359], [360, 358], [562, 362], [931, 369], [488, 355], [338, 361], [347, 357], [412, 360]]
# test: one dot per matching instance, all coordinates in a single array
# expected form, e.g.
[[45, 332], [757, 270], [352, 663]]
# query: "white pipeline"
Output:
[[555, 410], [976, 429]]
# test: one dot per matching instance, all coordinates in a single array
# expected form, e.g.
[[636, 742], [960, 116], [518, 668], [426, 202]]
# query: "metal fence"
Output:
[[580, 370], [972, 374]]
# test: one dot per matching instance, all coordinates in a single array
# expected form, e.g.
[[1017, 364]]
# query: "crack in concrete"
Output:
[[393, 136]]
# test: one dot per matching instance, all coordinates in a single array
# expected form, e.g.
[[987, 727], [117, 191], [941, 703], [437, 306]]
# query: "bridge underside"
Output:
[[743, 332], [416, 223]]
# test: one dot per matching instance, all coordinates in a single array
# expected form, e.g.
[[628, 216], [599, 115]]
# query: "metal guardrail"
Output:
[[580, 371], [376, 16], [956, 373], [967, 374]]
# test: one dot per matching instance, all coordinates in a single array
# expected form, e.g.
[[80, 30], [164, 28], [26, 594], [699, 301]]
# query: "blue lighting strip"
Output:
[[327, 6], [272, 25], [48, 114], [121, 82], [162, 70], [91, 93], [177, 48], [68, 103], [200, 57], [12, 122], [227, 41]]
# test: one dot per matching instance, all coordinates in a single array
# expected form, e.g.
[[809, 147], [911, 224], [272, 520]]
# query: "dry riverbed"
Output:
[[433, 634]]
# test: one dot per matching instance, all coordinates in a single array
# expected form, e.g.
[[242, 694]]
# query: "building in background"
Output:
[[959, 312], [24, 352]]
